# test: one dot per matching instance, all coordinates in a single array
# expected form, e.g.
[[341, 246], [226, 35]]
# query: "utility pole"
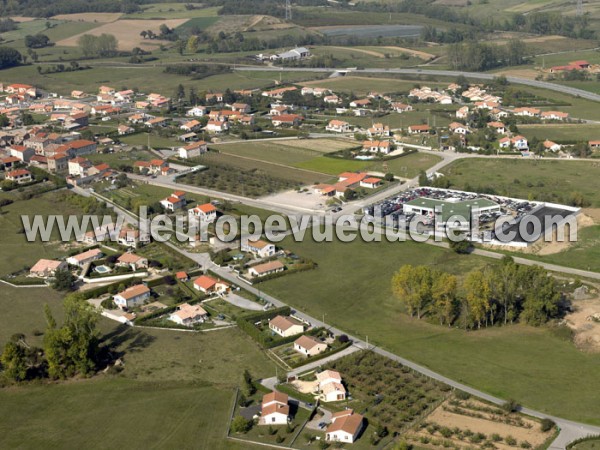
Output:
[[579, 11], [288, 9]]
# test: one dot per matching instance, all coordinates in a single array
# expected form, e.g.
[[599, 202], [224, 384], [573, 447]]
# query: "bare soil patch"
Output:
[[128, 32], [89, 17], [305, 387], [22, 18], [581, 321], [410, 51]]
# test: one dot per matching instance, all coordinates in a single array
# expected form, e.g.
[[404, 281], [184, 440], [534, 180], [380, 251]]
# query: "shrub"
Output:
[[462, 395], [510, 406], [240, 425], [510, 440], [525, 444], [546, 425]]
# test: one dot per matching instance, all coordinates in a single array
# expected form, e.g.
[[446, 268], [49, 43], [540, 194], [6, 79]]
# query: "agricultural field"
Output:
[[173, 11], [128, 32], [539, 180], [364, 57], [89, 17], [485, 358], [361, 85]]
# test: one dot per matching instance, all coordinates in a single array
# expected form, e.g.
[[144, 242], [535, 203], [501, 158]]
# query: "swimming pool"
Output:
[[102, 269]]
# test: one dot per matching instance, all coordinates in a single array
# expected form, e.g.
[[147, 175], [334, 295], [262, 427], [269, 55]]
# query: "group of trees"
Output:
[[9, 57], [37, 41], [164, 33], [98, 46], [45, 8], [7, 24], [479, 56], [68, 350], [493, 295]]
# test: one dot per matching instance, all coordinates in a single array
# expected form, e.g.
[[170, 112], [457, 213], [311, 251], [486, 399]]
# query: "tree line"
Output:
[[480, 56], [45, 8], [497, 295], [98, 46]]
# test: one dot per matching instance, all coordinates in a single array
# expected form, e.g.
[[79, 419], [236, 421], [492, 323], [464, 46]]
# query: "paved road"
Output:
[[447, 73]]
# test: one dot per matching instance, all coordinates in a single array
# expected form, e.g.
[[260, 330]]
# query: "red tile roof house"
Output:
[[285, 326], [21, 152], [205, 213], [268, 268], [133, 296], [498, 127], [47, 268], [418, 129], [274, 409], [182, 276], [189, 315], [209, 285], [376, 147], [193, 150], [554, 115], [135, 262], [309, 346], [86, 257], [338, 126], [370, 183], [20, 176], [293, 120], [9, 162], [345, 427], [174, 202]]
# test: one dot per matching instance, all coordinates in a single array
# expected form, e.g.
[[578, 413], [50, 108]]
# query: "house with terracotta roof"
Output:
[[330, 387], [132, 296], [285, 326], [360, 103], [189, 315], [338, 126], [551, 146], [292, 120], [401, 107], [274, 409], [518, 142], [594, 144], [374, 146], [157, 122], [260, 248], [268, 268], [157, 166], [182, 276], [462, 112], [82, 259], [20, 176], [191, 125], [498, 127], [331, 99], [45, 268], [133, 261], [526, 112], [459, 128], [345, 427], [418, 129], [309, 346], [10, 162], [193, 150], [554, 115], [370, 182], [205, 212], [214, 96], [378, 129], [125, 130], [278, 93], [174, 202], [197, 111], [209, 285]]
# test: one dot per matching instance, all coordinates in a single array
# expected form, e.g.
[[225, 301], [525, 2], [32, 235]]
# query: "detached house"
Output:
[[498, 127], [193, 150], [209, 285], [205, 212], [376, 147], [174, 202], [47, 268], [458, 128], [285, 326], [274, 409], [292, 120], [86, 257], [217, 126], [330, 386], [260, 248], [338, 126], [418, 129], [133, 296], [309, 346], [345, 427], [189, 315], [135, 262], [20, 176], [268, 268], [378, 129]]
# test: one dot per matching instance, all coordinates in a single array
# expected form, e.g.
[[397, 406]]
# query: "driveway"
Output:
[[322, 416], [242, 302]]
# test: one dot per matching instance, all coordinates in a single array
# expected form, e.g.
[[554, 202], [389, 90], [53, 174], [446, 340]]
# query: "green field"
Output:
[[332, 165], [540, 180], [352, 287], [146, 78], [556, 132], [361, 85], [587, 445], [14, 243], [172, 11]]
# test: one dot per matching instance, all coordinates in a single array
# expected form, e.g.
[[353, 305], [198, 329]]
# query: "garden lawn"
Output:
[[352, 287]]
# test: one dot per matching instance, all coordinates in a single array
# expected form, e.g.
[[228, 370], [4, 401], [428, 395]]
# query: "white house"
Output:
[[338, 126], [274, 409], [189, 315], [345, 427], [309, 346], [135, 262], [259, 247], [285, 326], [196, 111], [193, 150], [217, 126], [133, 296], [462, 113], [268, 268], [205, 212], [174, 202], [86, 257], [333, 392]]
